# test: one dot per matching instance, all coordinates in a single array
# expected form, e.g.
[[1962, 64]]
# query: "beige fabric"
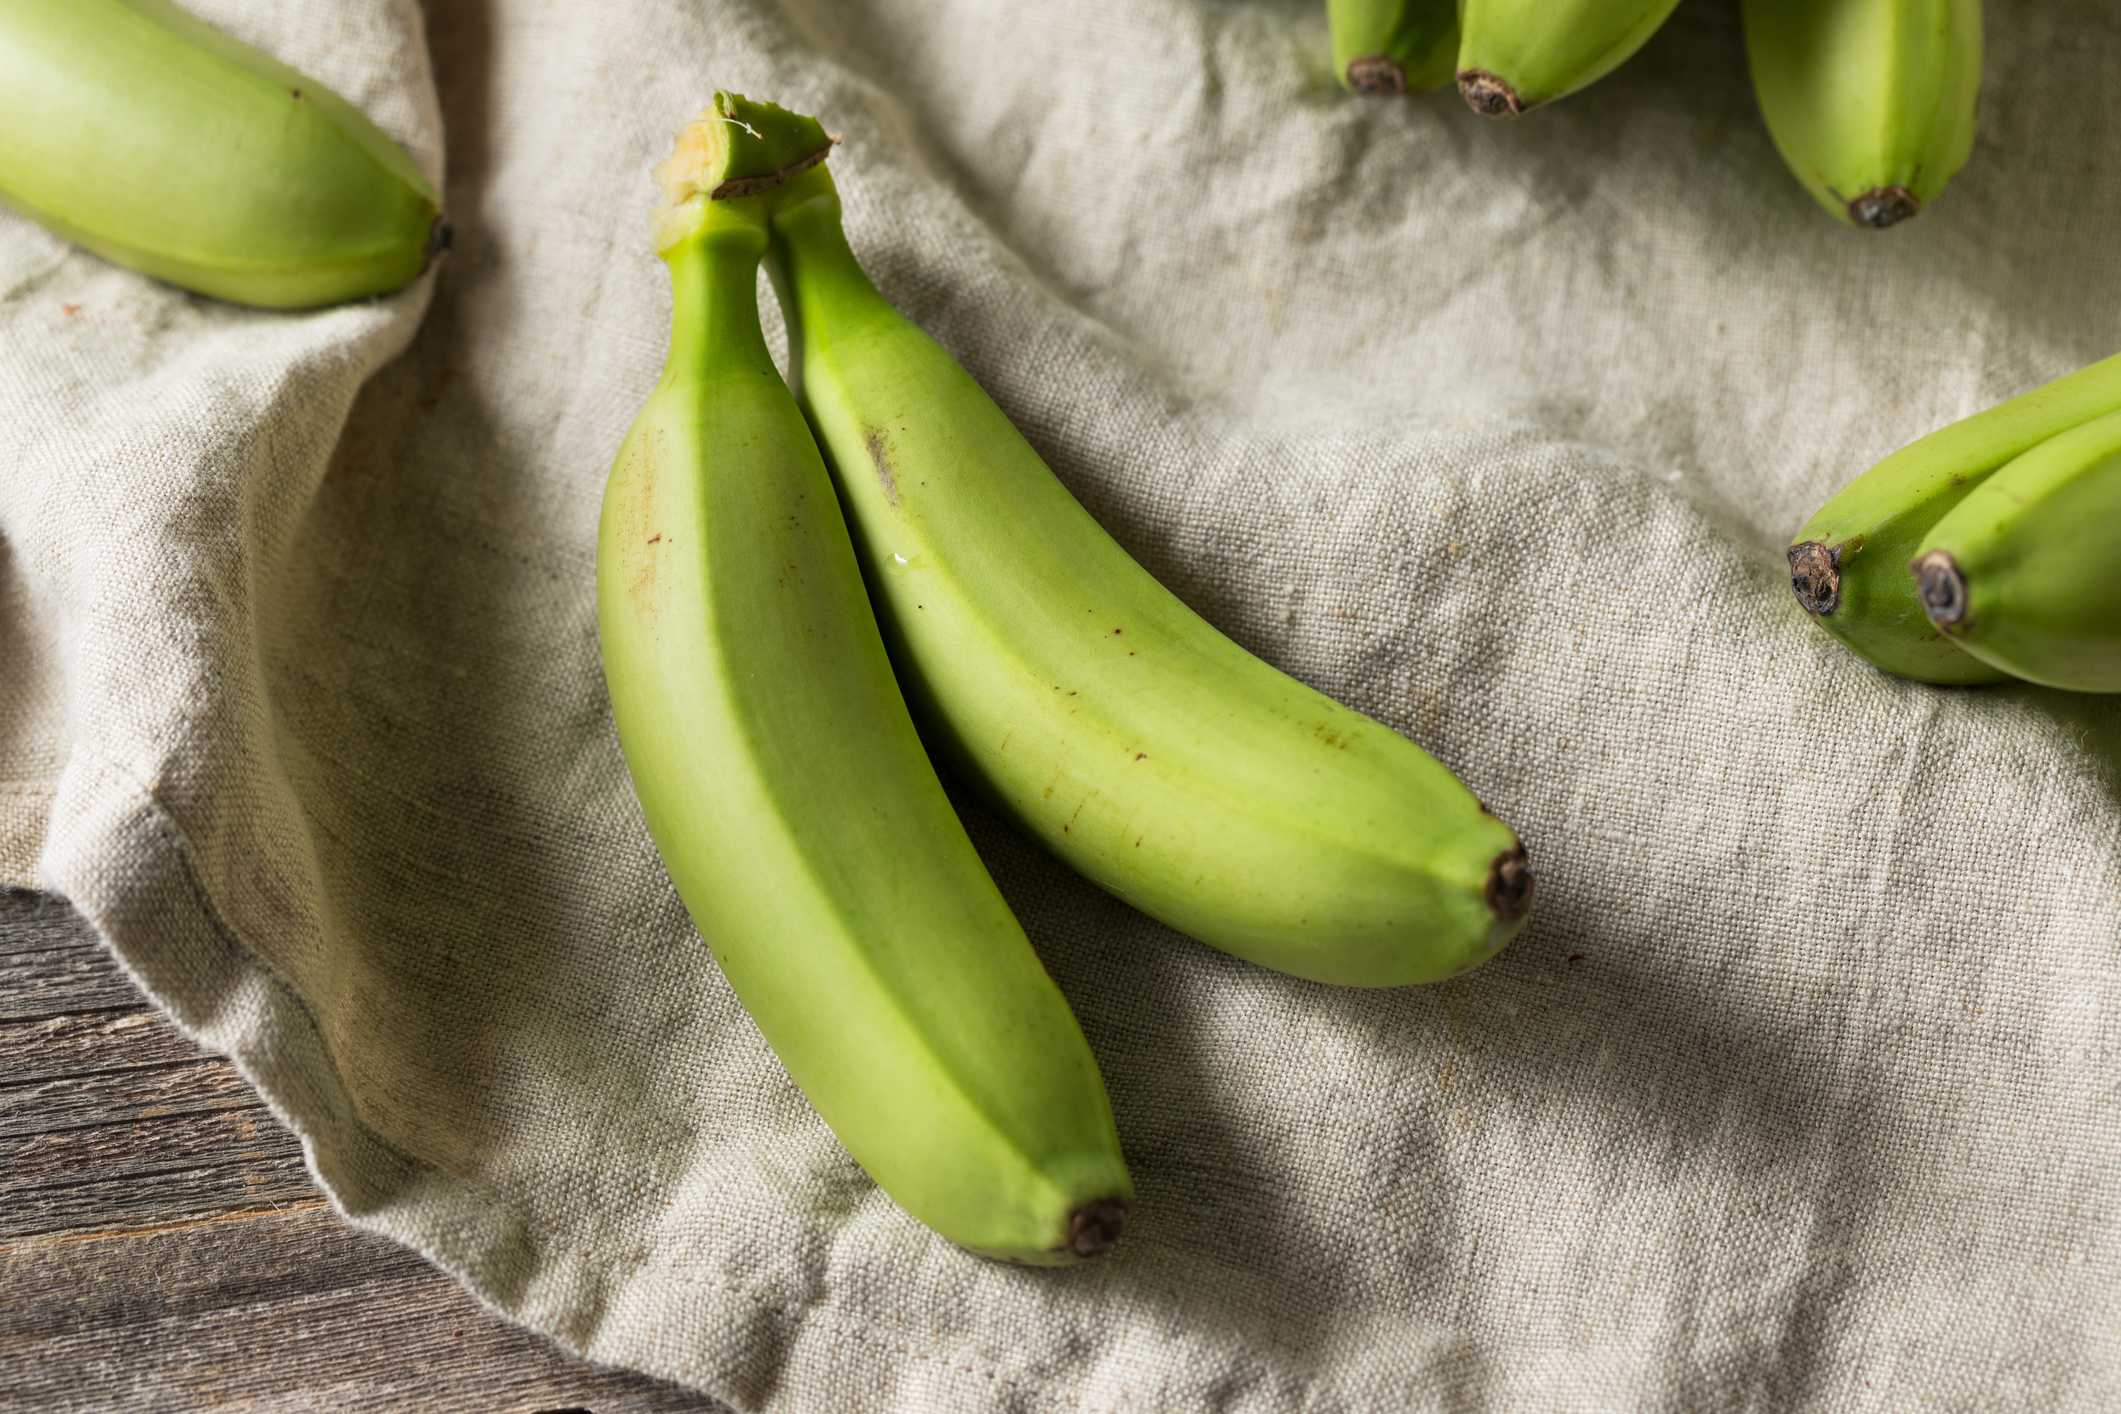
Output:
[[1797, 1094]]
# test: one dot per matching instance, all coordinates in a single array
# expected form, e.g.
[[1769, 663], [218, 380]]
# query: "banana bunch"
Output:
[[1985, 551], [156, 141], [751, 675], [1871, 102], [783, 782]]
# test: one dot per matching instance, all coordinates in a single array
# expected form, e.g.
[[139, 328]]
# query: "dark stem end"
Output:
[[440, 237], [1510, 885], [1488, 95], [1815, 576], [767, 181], [1941, 587], [1375, 76], [1096, 1225], [1883, 206]]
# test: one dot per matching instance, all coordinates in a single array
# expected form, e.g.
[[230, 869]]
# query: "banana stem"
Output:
[[714, 296], [822, 288]]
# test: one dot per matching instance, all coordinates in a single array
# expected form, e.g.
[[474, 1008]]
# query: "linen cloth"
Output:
[[1797, 1092]]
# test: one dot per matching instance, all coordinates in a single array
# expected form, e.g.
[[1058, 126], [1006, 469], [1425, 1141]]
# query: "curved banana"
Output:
[[1093, 709], [1387, 47], [1871, 102], [156, 141], [1848, 565], [2025, 573], [1514, 54], [786, 788]]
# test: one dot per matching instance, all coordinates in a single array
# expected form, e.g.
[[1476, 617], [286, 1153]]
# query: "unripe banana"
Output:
[[1513, 54], [156, 141], [1848, 565], [785, 786], [1092, 708], [1388, 47], [2025, 574], [1871, 102]]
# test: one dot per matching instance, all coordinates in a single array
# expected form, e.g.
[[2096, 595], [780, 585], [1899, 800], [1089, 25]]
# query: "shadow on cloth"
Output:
[[1510, 1138], [2093, 720]]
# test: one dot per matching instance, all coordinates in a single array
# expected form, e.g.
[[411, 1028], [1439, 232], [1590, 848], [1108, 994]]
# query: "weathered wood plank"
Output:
[[162, 1246], [112, 1177], [30, 922], [111, 1097], [77, 980], [281, 1311], [80, 1045]]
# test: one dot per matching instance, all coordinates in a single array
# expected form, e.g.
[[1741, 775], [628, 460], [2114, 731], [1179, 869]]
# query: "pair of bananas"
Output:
[[1871, 102], [158, 142], [1985, 551], [1506, 55], [762, 662]]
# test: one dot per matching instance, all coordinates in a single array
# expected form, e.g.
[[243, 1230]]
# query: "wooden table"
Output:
[[162, 1246]]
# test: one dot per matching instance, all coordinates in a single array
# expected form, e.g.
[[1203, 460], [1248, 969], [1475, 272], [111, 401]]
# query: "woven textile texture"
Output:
[[1798, 1092]]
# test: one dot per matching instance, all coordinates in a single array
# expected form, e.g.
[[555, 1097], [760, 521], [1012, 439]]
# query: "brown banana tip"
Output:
[[1488, 95], [1883, 206], [1815, 576], [1096, 1225], [1375, 76], [1510, 885], [440, 237], [1941, 587]]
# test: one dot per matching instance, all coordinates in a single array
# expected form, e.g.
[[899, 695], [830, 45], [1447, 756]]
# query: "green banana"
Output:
[[2025, 573], [1094, 710], [1848, 565], [1514, 54], [156, 141], [1871, 102], [1388, 47], [783, 781]]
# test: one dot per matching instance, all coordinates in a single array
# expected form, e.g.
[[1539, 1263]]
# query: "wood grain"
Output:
[[163, 1248]]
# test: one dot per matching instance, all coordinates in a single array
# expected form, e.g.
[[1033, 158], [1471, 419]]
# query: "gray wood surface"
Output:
[[162, 1246]]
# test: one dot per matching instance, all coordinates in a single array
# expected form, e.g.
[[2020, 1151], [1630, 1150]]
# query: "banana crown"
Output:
[[735, 147]]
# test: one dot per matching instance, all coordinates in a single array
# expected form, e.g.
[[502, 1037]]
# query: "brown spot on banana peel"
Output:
[[879, 453], [1375, 76], [1510, 885], [1883, 206], [752, 186], [1095, 1226], [1815, 576], [638, 558], [1488, 95], [1942, 589]]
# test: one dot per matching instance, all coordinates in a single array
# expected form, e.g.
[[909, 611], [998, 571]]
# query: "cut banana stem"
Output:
[[786, 788], [1870, 102], [1096, 711], [156, 141], [1383, 48], [1515, 54], [2025, 573], [1848, 565]]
